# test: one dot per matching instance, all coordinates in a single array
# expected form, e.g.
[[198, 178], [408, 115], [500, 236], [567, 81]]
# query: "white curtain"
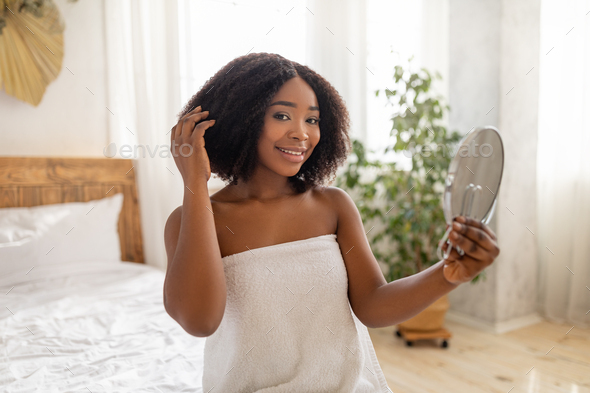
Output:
[[336, 48], [563, 162], [144, 97]]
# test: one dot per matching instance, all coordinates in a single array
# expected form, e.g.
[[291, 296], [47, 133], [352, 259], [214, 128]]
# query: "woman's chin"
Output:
[[289, 172]]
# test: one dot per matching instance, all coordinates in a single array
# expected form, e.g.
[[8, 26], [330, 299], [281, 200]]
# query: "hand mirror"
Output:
[[473, 180]]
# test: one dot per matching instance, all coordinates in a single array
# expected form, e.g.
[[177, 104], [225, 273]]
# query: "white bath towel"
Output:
[[288, 325]]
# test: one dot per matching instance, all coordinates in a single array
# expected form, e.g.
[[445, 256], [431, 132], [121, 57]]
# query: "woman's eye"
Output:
[[316, 121]]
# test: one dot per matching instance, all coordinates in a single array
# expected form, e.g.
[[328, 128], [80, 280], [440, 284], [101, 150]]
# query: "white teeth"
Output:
[[291, 152]]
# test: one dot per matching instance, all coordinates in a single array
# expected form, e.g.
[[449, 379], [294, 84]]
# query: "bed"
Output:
[[84, 315]]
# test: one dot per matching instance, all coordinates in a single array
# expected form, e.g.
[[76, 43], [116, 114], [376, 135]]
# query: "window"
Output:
[[391, 26], [213, 32]]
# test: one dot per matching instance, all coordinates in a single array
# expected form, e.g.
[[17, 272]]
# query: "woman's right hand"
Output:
[[192, 162]]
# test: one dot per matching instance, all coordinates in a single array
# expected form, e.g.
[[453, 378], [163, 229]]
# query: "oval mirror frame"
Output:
[[473, 179]]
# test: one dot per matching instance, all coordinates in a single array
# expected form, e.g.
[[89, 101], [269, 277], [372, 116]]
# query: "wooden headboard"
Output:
[[32, 181]]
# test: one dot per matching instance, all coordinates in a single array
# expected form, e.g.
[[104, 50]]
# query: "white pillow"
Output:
[[62, 232]]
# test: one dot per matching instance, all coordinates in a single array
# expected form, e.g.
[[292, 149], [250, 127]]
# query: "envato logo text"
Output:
[[163, 151], [465, 150]]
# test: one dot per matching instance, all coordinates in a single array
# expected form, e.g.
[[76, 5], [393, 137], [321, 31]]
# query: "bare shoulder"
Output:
[[339, 202], [339, 199], [336, 194]]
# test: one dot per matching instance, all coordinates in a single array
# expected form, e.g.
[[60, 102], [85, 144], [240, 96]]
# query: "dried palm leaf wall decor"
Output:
[[31, 47]]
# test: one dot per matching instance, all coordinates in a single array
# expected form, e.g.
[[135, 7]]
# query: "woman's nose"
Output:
[[300, 132]]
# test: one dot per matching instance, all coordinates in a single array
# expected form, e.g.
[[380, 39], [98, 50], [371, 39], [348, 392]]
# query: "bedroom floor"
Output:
[[536, 358]]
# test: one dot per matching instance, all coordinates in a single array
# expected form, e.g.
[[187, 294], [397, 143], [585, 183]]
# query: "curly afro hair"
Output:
[[237, 97]]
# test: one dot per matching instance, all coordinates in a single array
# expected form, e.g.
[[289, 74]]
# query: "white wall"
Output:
[[70, 120], [493, 47], [474, 66]]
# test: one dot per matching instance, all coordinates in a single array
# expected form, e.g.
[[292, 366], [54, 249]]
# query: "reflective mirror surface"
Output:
[[474, 176], [473, 180]]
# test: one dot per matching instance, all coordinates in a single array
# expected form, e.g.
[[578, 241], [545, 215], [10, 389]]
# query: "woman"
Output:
[[275, 269]]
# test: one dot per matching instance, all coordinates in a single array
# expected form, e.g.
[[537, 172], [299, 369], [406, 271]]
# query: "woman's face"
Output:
[[290, 123]]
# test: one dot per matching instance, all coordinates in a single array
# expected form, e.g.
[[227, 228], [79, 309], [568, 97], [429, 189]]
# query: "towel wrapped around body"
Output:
[[288, 325]]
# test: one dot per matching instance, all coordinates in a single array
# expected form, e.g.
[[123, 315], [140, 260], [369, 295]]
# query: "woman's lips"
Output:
[[291, 157]]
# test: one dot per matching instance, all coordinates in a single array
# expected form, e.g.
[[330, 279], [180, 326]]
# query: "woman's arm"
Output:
[[194, 287], [402, 299], [377, 303]]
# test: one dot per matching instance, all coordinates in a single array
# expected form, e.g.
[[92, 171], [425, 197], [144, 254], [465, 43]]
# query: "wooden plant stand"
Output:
[[428, 324], [412, 335]]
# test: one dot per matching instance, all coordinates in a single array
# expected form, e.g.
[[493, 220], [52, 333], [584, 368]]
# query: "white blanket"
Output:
[[93, 327]]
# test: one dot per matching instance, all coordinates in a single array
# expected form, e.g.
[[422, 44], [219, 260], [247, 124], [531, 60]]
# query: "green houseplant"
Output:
[[405, 205]]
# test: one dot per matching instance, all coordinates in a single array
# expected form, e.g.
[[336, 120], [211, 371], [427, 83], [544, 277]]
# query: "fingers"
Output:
[[191, 122], [477, 241], [453, 256], [188, 123], [471, 247], [175, 129], [192, 112], [475, 236], [475, 223], [465, 265]]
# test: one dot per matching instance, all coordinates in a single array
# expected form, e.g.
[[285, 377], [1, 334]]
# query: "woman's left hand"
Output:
[[478, 242]]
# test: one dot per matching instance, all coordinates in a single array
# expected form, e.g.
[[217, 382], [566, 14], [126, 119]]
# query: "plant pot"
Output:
[[431, 318]]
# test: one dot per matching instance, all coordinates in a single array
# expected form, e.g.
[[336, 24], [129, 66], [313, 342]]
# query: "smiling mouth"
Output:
[[295, 153], [291, 156]]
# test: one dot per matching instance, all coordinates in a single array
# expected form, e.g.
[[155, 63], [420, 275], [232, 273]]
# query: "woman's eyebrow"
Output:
[[294, 105]]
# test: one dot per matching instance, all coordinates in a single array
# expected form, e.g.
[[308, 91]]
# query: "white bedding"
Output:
[[93, 326]]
